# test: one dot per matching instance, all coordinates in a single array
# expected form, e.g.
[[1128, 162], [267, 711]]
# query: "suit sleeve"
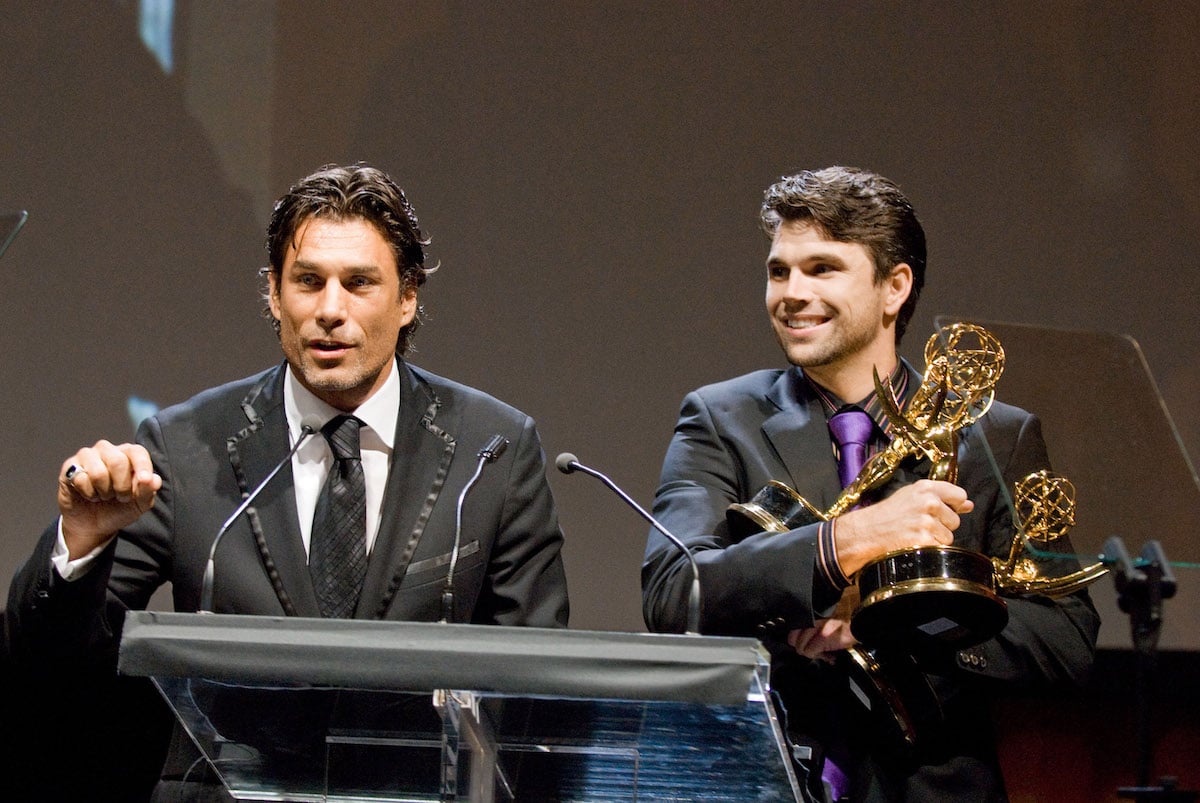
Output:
[[761, 584], [1046, 641], [526, 583], [50, 619]]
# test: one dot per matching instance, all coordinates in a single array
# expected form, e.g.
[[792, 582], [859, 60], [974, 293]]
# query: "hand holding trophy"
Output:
[[929, 597]]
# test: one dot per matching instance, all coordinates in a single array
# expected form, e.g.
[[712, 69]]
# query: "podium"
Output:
[[319, 710]]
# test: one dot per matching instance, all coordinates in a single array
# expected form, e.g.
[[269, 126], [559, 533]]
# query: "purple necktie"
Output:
[[852, 429]]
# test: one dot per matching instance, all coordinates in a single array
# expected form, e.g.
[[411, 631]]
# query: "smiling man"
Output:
[[360, 523], [845, 268]]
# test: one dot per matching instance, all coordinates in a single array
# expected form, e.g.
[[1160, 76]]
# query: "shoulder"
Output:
[[1007, 418], [223, 403], [459, 400], [755, 383], [748, 390], [1010, 434]]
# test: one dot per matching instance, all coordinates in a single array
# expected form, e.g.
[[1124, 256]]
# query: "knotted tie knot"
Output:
[[342, 434], [337, 559], [852, 429]]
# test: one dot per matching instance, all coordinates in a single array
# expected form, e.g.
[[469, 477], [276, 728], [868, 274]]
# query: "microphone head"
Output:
[[565, 461], [495, 447], [311, 423]]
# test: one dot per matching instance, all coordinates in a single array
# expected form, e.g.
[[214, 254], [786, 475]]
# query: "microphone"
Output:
[[488, 454], [308, 426], [567, 463]]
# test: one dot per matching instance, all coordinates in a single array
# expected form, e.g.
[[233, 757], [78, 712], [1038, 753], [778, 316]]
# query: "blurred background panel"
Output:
[[590, 175]]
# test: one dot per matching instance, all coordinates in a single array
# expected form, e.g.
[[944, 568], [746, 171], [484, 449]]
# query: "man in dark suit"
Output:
[[346, 261], [844, 272]]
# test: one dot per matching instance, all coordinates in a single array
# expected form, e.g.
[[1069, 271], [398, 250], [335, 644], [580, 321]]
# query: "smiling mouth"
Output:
[[800, 324]]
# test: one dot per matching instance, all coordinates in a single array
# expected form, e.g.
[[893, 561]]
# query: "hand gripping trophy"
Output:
[[944, 593], [932, 598]]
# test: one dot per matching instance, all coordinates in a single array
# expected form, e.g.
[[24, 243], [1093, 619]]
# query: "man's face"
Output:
[[340, 308], [827, 311]]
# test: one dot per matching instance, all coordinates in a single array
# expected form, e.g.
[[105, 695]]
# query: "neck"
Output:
[[852, 382]]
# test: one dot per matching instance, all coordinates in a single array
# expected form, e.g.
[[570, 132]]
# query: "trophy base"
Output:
[[776, 508], [896, 697], [930, 598]]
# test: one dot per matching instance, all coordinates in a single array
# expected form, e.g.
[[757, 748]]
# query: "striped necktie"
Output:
[[337, 559]]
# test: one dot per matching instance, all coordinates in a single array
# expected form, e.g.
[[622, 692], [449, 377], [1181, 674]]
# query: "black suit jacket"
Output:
[[735, 436], [210, 451], [217, 446]]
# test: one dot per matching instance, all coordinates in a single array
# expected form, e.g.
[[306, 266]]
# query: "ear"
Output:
[[408, 305], [898, 286], [273, 293]]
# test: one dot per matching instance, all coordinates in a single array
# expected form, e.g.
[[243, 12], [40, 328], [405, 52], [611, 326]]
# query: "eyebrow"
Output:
[[818, 257], [304, 264]]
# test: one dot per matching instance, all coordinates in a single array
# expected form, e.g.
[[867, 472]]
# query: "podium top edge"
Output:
[[285, 629], [419, 656]]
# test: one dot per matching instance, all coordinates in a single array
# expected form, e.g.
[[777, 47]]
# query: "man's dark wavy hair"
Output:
[[853, 205], [351, 192]]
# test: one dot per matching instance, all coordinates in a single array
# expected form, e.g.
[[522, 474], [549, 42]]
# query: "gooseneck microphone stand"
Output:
[[1141, 589]]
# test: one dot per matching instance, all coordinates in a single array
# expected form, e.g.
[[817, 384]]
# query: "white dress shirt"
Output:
[[312, 461]]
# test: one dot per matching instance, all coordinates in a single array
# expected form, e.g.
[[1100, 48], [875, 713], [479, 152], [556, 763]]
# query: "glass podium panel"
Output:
[[1110, 434], [612, 750], [525, 714]]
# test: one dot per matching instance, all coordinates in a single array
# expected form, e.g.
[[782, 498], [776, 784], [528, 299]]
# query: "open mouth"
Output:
[[800, 323], [328, 348]]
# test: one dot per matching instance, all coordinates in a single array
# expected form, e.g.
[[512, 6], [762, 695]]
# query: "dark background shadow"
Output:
[[590, 175]]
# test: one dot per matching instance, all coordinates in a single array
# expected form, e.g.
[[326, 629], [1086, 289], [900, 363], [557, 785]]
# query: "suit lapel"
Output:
[[421, 456], [800, 437], [254, 452]]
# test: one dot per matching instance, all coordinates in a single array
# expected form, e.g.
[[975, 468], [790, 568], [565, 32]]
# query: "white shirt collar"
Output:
[[379, 412]]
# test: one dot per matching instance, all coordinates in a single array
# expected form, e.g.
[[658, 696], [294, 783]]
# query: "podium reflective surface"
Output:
[[553, 715], [1109, 432]]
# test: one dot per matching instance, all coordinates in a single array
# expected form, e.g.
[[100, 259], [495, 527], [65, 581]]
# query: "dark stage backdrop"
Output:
[[590, 175]]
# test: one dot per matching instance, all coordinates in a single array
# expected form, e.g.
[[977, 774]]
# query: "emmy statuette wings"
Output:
[[936, 597]]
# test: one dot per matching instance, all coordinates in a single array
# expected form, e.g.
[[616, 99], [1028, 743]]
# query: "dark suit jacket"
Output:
[[222, 443], [735, 436], [217, 446]]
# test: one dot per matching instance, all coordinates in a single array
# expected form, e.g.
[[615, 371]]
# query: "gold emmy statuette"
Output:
[[941, 596], [1045, 504], [889, 684]]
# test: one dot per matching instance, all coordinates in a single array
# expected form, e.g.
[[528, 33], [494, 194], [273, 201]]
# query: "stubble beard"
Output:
[[347, 379], [838, 348]]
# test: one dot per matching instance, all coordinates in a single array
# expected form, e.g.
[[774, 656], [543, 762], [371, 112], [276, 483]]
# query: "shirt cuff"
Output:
[[827, 561], [60, 558]]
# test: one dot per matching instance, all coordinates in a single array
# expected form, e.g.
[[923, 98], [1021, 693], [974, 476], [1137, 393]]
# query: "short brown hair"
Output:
[[853, 205], [353, 192]]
